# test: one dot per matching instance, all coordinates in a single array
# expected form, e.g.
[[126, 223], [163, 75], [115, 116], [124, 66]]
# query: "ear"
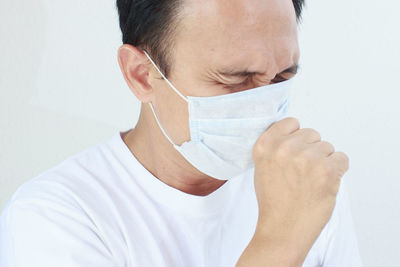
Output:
[[135, 68]]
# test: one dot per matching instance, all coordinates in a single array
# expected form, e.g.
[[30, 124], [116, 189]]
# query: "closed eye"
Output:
[[236, 86], [279, 78]]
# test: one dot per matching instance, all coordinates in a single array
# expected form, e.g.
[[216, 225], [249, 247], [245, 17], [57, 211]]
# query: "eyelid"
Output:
[[286, 75], [293, 70], [234, 84], [240, 83], [280, 78]]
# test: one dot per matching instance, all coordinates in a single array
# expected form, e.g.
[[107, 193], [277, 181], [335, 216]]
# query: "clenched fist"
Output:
[[297, 177]]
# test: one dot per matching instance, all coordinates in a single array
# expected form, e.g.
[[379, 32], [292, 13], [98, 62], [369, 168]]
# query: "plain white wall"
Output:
[[61, 91]]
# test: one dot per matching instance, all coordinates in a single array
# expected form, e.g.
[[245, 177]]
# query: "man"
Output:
[[212, 174]]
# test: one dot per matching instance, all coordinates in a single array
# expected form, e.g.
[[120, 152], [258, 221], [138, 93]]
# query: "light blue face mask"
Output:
[[224, 128]]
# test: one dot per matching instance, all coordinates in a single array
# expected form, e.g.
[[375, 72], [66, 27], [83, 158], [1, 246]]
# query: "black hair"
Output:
[[151, 24]]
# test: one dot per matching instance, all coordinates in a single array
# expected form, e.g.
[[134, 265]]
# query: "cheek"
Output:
[[172, 112]]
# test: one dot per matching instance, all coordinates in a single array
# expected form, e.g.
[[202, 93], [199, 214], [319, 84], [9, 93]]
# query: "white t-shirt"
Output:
[[101, 208]]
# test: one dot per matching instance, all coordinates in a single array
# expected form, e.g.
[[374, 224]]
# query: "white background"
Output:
[[61, 91]]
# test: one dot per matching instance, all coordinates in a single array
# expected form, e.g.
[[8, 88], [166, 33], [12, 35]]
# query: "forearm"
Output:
[[264, 250]]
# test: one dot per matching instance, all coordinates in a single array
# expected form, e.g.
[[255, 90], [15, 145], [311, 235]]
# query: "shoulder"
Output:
[[47, 221], [57, 191], [62, 183]]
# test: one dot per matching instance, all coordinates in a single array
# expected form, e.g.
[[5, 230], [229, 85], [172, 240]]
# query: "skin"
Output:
[[214, 38]]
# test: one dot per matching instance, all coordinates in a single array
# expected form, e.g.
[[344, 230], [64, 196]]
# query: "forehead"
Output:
[[237, 32]]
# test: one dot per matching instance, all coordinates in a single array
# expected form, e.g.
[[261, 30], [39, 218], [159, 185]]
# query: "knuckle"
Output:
[[344, 155], [281, 154], [328, 145], [285, 147], [293, 121], [345, 159], [258, 149], [325, 169], [329, 170], [312, 136], [304, 157], [307, 153], [313, 132]]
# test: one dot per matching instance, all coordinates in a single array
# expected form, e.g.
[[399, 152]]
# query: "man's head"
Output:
[[205, 48]]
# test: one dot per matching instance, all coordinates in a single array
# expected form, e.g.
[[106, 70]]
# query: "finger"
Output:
[[307, 135], [341, 160], [285, 126], [322, 148]]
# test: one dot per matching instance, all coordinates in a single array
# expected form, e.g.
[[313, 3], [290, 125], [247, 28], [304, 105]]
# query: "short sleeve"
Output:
[[341, 246], [47, 229]]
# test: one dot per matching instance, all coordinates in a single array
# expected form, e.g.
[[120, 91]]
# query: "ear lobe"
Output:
[[134, 67]]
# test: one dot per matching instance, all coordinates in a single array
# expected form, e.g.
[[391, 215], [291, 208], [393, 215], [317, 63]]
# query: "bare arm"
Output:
[[297, 177], [264, 251]]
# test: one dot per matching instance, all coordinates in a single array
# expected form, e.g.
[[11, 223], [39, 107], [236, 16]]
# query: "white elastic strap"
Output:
[[159, 124], [169, 83]]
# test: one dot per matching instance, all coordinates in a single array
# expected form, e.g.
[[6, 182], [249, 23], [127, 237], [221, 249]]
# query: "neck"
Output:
[[158, 156]]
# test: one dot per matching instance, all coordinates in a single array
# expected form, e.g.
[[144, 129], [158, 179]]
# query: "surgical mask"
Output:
[[224, 128]]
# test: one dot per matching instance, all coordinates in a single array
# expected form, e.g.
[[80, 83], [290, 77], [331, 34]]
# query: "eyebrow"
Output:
[[244, 73]]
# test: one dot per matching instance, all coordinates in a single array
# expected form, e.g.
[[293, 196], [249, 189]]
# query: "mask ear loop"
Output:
[[169, 83], [151, 105], [159, 125]]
